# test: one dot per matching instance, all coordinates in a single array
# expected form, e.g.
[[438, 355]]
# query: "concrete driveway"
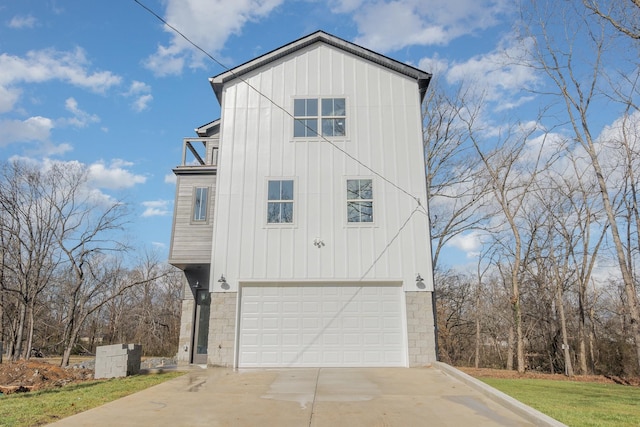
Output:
[[435, 396]]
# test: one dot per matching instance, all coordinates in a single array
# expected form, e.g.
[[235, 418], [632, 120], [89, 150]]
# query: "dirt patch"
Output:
[[500, 373], [23, 376]]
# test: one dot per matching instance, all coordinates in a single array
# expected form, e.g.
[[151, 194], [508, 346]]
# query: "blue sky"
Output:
[[106, 84]]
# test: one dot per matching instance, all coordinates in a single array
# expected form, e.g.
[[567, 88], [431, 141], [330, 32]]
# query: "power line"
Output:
[[284, 110], [417, 209]]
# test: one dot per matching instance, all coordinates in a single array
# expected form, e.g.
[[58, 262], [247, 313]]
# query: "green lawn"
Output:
[[46, 406], [576, 403]]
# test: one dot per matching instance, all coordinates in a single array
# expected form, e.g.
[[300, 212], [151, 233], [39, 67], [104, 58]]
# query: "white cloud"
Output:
[[435, 65], [49, 149], [497, 75], [8, 98], [19, 22], [32, 129], [87, 190], [344, 6], [156, 208], [80, 118], [170, 178], [208, 24], [114, 176], [468, 242], [141, 92], [44, 65], [392, 25], [142, 102], [138, 87]]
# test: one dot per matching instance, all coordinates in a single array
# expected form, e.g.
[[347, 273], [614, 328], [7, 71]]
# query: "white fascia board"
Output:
[[422, 78]]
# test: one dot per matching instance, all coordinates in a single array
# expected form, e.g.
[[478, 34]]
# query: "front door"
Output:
[[201, 326]]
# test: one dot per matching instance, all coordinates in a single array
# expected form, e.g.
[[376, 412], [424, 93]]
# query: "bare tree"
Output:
[[511, 170], [578, 218], [93, 280], [623, 15], [453, 188], [86, 232], [575, 65], [27, 227]]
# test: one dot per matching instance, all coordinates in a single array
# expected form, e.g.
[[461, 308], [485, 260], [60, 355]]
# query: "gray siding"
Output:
[[191, 241]]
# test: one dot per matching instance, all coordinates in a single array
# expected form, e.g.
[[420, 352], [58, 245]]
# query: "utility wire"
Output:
[[417, 209], [284, 110]]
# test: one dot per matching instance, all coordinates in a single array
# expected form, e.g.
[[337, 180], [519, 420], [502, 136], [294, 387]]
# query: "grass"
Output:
[[576, 403], [47, 406]]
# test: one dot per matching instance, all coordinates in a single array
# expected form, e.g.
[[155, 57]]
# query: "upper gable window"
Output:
[[315, 117]]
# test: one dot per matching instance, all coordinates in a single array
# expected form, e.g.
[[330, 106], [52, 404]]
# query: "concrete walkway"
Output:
[[311, 397]]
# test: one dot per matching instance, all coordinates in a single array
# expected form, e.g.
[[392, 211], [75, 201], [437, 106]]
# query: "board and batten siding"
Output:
[[384, 131], [191, 241]]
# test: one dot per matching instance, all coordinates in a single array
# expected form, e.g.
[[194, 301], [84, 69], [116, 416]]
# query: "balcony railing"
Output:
[[198, 152]]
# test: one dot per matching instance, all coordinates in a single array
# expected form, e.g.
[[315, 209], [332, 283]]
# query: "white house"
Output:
[[300, 217]]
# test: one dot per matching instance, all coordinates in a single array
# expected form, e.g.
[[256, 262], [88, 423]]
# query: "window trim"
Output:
[[319, 118], [267, 201], [205, 206], [374, 201]]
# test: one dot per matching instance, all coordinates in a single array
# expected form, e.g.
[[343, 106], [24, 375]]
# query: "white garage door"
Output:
[[316, 325]]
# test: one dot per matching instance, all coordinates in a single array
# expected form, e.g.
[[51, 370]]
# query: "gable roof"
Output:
[[422, 77], [209, 129]]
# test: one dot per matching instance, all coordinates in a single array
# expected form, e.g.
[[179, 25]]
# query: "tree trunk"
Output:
[[30, 320], [519, 337], [478, 337], [510, 349], [66, 355], [515, 305], [17, 351], [582, 331], [1, 323], [592, 338], [563, 327]]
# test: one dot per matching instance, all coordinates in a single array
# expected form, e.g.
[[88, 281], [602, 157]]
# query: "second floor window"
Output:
[[314, 117], [280, 202], [359, 200], [200, 204]]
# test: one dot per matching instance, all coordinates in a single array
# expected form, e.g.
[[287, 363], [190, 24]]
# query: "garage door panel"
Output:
[[391, 339], [371, 323], [391, 323], [270, 323], [290, 339], [316, 325], [352, 357], [372, 339], [290, 307], [251, 339], [309, 291], [269, 340], [331, 357], [272, 307], [251, 307]]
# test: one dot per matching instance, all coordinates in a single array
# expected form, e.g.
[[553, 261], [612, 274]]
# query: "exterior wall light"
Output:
[[420, 282], [223, 282]]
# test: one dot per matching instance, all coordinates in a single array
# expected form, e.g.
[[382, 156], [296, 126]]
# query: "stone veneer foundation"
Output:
[[421, 335], [186, 325], [222, 329]]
